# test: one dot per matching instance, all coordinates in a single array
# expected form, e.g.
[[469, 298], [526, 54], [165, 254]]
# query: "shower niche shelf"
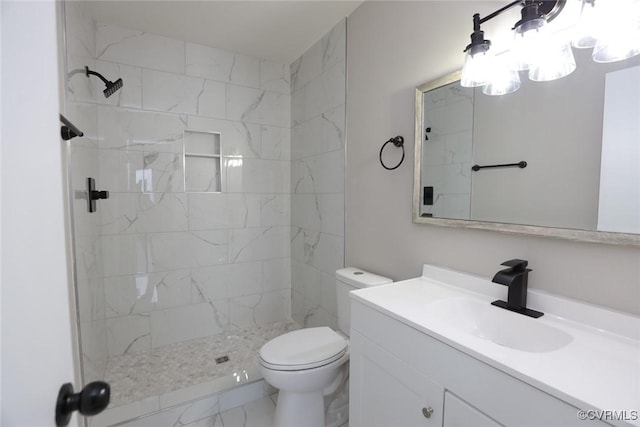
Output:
[[202, 162]]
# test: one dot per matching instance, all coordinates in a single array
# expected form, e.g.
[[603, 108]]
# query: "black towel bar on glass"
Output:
[[520, 165]]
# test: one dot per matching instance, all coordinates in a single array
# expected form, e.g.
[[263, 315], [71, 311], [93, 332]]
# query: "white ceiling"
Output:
[[280, 31]]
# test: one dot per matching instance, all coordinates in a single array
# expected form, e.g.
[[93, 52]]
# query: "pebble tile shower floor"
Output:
[[137, 376]]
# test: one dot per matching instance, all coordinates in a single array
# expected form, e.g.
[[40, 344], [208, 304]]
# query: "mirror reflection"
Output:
[[578, 135]]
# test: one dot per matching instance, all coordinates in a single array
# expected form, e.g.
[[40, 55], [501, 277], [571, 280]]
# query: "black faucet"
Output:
[[515, 277]]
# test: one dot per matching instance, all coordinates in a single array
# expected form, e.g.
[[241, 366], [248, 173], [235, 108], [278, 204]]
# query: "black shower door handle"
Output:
[[93, 194]]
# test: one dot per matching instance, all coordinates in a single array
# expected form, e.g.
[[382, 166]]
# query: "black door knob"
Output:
[[92, 400]]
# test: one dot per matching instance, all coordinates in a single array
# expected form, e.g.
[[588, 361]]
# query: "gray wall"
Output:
[[385, 63]]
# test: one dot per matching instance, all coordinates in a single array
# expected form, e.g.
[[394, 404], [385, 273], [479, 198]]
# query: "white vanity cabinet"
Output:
[[402, 377]]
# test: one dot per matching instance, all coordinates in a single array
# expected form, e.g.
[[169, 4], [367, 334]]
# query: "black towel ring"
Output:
[[398, 141]]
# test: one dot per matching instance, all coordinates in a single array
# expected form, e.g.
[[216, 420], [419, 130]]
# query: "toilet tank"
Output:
[[347, 280]]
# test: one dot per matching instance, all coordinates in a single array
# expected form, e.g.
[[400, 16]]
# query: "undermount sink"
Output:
[[497, 325]]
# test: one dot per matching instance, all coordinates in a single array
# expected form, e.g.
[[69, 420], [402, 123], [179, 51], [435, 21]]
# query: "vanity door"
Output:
[[385, 391]]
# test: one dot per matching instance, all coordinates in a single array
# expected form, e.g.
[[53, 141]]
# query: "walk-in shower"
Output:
[[185, 270]]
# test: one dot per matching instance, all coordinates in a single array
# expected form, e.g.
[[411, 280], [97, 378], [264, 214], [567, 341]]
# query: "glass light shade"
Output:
[[504, 78], [588, 26], [476, 68], [615, 50], [557, 62], [529, 42], [618, 35]]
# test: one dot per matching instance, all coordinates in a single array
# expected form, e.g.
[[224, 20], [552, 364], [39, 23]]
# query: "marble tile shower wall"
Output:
[[318, 80], [180, 265]]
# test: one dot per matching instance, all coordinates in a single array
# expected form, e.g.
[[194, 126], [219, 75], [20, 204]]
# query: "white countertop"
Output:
[[599, 369]]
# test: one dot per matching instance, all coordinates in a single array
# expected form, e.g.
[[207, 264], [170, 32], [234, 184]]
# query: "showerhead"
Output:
[[112, 87]]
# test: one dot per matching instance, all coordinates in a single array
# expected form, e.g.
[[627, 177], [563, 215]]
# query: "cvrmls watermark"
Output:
[[606, 415]]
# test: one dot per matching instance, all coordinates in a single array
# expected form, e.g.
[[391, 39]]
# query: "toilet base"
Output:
[[299, 409]]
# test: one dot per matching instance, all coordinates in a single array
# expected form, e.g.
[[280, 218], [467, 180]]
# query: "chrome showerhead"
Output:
[[112, 87]]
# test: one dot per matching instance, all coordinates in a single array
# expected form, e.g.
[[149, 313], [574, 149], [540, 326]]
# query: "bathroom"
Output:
[[368, 217]]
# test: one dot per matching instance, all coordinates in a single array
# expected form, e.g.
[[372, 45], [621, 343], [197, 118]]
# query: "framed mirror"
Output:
[[558, 159]]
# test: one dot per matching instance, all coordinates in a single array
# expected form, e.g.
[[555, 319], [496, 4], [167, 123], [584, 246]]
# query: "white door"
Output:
[[37, 349]]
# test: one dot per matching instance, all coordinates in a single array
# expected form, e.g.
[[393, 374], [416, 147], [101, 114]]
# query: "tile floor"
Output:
[[258, 413], [137, 376]]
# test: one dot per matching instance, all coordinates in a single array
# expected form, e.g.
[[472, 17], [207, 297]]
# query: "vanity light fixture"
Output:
[[499, 74], [477, 60], [611, 28], [504, 77], [545, 57]]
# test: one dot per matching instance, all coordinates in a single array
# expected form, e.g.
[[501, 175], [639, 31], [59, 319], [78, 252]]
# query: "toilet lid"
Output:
[[303, 349]]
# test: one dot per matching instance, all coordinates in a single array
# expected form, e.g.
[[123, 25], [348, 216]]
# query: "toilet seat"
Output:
[[303, 349]]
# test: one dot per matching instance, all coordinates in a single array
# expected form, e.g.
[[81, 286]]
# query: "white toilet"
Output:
[[308, 364]]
